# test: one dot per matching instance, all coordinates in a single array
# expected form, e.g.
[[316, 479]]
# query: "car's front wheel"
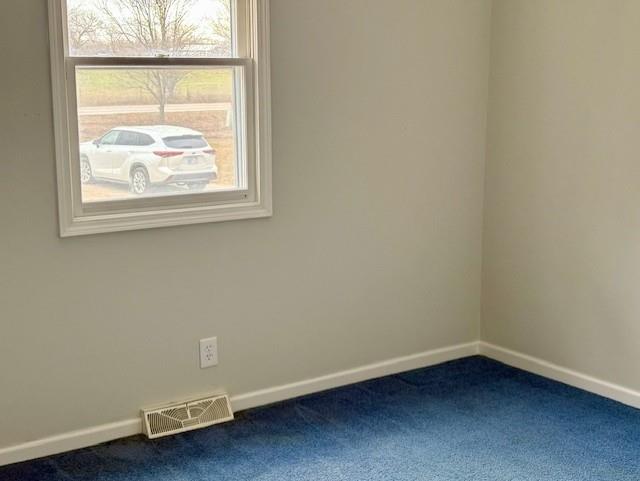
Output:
[[139, 181], [86, 175]]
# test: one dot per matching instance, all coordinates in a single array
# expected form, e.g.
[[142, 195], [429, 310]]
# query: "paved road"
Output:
[[144, 109]]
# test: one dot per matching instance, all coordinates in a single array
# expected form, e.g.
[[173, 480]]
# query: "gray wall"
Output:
[[562, 215], [374, 250]]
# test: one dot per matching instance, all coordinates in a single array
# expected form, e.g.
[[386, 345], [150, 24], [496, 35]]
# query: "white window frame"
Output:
[[252, 200]]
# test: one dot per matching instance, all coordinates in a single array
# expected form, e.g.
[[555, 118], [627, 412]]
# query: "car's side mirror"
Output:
[[96, 142]]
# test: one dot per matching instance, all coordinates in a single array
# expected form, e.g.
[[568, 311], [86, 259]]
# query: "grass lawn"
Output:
[[113, 87]]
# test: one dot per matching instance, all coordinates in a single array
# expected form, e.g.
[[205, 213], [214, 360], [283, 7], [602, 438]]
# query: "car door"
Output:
[[126, 146], [102, 158]]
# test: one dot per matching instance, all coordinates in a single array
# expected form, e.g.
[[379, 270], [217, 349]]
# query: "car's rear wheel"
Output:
[[139, 181], [86, 175], [198, 186]]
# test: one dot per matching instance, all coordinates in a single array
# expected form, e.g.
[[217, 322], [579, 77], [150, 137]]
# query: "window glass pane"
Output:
[[150, 28], [175, 131], [185, 141], [127, 138], [110, 138], [144, 139]]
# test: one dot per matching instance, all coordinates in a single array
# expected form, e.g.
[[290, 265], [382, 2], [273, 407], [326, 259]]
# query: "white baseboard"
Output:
[[107, 432], [558, 373], [343, 378], [69, 441]]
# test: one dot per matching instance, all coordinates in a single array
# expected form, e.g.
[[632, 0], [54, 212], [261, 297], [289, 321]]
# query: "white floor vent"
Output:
[[186, 416]]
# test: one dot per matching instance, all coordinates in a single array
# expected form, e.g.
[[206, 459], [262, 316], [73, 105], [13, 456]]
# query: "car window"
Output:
[[110, 138], [127, 138], [144, 139], [185, 142]]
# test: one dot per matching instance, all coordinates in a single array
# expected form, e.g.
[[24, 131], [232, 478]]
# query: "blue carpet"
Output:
[[472, 419]]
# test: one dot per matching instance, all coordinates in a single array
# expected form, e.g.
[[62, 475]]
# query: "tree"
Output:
[[84, 29], [150, 27], [221, 29]]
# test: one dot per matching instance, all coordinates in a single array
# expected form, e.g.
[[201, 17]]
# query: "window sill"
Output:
[[102, 223]]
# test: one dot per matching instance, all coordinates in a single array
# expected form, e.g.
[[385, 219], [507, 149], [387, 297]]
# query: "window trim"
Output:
[[254, 201]]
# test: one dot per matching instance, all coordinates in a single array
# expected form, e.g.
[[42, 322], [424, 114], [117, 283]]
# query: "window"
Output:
[[111, 138], [144, 139], [128, 138], [161, 112], [185, 142]]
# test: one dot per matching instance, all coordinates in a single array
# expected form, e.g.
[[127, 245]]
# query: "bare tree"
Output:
[[220, 26], [151, 27], [84, 29]]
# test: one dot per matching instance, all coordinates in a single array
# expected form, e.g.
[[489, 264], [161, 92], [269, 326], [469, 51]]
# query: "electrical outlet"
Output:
[[208, 352]]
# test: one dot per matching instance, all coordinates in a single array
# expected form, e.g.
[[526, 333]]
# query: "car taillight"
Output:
[[167, 153], [209, 151]]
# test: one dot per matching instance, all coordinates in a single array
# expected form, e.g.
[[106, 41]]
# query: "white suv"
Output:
[[146, 156]]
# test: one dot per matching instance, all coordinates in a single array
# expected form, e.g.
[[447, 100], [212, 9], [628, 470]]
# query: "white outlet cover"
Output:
[[208, 352]]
